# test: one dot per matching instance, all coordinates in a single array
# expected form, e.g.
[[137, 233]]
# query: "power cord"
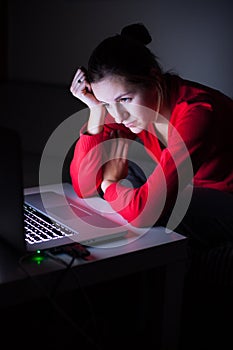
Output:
[[54, 304], [75, 251]]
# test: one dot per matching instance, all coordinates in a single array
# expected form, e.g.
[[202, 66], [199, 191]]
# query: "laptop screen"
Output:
[[11, 187]]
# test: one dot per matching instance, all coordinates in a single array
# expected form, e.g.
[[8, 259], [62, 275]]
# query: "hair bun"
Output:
[[137, 32]]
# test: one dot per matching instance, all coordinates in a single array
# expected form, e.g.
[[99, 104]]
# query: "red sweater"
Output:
[[203, 118]]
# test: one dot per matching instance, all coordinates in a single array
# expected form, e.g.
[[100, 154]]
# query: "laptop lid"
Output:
[[11, 180]]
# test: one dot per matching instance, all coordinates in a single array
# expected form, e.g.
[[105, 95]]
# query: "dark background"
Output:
[[42, 42], [45, 41]]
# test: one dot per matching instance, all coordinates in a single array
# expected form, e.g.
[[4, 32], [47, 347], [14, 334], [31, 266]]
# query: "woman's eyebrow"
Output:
[[118, 97], [121, 95]]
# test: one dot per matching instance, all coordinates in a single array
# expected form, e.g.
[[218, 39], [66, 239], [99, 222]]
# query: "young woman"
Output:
[[185, 128]]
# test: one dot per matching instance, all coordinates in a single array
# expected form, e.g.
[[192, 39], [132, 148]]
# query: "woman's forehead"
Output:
[[111, 88]]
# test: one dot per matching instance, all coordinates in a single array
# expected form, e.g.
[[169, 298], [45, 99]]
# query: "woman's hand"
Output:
[[116, 168], [81, 89]]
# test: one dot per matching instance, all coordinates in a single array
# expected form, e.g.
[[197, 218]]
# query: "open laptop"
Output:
[[71, 221]]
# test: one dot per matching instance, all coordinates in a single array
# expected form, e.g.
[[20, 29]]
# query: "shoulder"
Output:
[[192, 105], [183, 90]]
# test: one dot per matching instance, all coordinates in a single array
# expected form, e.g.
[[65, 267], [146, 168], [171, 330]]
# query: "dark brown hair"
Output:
[[126, 55]]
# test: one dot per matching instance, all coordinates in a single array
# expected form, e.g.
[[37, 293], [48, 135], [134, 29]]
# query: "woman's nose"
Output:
[[120, 114]]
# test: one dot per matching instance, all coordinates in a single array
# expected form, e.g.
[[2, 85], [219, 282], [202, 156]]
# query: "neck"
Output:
[[161, 123], [165, 110]]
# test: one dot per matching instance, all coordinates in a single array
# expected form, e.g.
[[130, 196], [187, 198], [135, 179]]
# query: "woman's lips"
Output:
[[129, 125]]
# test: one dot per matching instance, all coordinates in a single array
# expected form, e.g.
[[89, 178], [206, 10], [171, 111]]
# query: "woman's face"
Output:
[[127, 103]]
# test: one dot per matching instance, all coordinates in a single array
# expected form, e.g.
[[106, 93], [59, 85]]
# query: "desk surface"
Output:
[[24, 279], [153, 248]]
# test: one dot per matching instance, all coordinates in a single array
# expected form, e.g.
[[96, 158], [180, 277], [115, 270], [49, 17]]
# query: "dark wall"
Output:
[[3, 40], [49, 39]]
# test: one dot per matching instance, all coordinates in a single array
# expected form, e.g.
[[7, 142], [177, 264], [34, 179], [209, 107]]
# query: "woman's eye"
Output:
[[126, 99]]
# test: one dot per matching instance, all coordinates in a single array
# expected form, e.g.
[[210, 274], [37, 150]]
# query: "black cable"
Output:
[[54, 304], [80, 287], [63, 272]]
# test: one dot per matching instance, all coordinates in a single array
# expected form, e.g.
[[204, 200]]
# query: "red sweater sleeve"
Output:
[[85, 167]]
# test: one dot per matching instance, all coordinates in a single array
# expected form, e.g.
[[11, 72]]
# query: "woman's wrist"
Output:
[[96, 119], [105, 184]]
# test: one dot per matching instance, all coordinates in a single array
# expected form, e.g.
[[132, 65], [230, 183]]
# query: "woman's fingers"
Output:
[[122, 148], [125, 149], [78, 81], [79, 77], [81, 88], [119, 148], [113, 148]]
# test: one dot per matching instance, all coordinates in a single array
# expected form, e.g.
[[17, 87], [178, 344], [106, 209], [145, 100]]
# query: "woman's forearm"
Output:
[[96, 119]]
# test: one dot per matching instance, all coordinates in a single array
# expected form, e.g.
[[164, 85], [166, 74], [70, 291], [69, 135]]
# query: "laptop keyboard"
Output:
[[39, 228]]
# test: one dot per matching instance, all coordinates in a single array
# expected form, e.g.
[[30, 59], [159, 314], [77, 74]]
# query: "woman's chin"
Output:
[[135, 129]]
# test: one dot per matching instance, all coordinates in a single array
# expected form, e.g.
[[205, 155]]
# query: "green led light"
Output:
[[38, 257]]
